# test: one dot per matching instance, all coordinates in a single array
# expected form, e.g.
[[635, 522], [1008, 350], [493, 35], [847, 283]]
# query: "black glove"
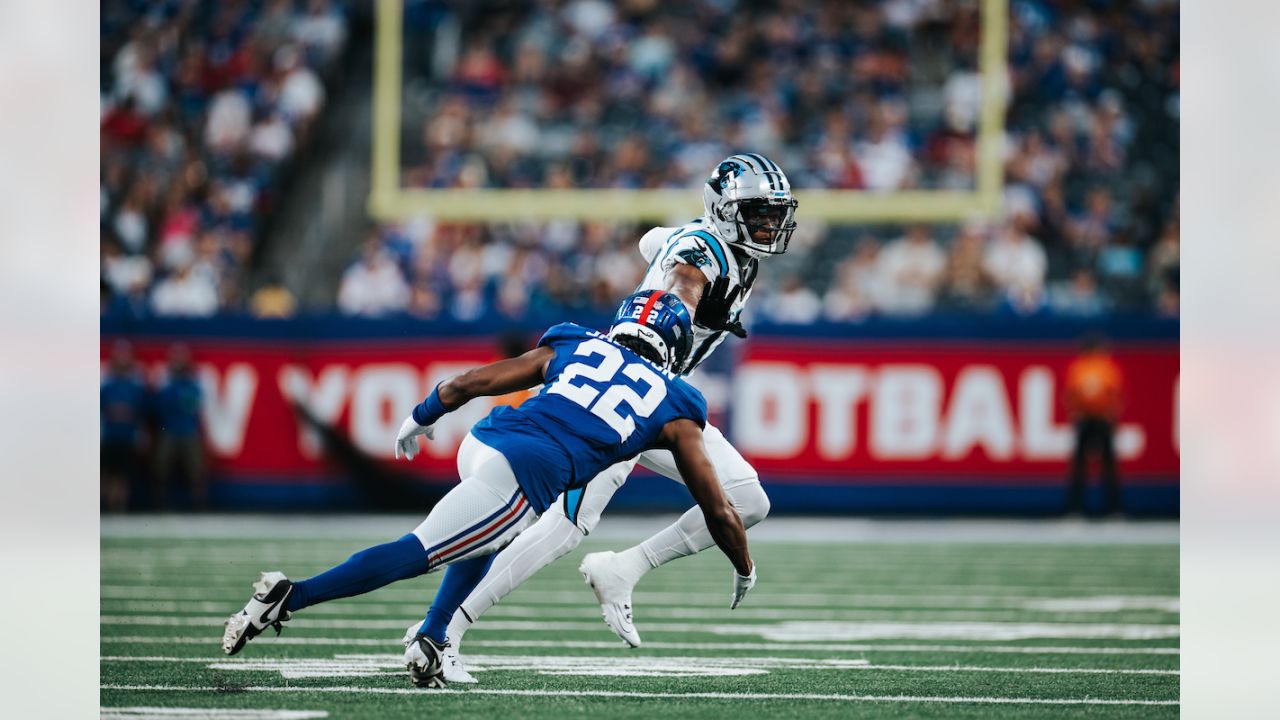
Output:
[[715, 304]]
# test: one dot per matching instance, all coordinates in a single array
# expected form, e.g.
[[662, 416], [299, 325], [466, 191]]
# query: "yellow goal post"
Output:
[[389, 200]]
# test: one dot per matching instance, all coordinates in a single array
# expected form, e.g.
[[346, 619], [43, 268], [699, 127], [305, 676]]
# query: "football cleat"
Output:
[[425, 660], [265, 609], [454, 669], [613, 590]]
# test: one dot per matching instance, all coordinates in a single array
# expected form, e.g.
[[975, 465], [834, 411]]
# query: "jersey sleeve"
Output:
[[699, 249], [651, 242], [689, 403], [564, 332]]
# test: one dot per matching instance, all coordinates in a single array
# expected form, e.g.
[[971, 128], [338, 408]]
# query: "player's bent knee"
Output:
[[750, 501], [555, 529]]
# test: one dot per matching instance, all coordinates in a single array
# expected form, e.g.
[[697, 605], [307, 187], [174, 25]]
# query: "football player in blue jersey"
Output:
[[604, 399], [711, 264]]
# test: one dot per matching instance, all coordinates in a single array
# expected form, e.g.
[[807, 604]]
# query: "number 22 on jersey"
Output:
[[606, 406]]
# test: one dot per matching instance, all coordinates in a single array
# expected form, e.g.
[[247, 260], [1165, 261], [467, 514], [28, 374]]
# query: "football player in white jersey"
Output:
[[711, 265]]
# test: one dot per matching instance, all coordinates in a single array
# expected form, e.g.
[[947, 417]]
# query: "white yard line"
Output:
[[409, 611], [615, 645], [790, 631], [578, 693], [534, 662]]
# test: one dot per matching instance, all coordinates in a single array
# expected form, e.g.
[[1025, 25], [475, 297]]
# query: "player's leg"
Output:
[[1076, 476], [1110, 478], [613, 575], [161, 465], [479, 516], [460, 577], [559, 530]]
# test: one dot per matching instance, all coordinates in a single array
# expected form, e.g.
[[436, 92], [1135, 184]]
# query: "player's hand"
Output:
[[741, 585], [407, 439], [715, 305]]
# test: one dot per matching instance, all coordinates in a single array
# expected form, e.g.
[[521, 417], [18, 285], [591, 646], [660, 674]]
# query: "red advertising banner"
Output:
[[364, 388], [801, 410], [866, 411]]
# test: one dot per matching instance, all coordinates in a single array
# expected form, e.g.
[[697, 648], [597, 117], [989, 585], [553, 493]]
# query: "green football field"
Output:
[[876, 619]]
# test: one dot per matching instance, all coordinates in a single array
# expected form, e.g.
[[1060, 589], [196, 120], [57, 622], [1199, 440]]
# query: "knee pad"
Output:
[[750, 501]]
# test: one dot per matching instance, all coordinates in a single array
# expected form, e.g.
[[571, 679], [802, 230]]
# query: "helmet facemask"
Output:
[[765, 225]]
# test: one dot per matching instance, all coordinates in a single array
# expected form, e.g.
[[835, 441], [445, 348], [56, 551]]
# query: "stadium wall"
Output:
[[939, 416]]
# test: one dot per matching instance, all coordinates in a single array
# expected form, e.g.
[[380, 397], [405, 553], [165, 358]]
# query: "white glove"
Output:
[[741, 585], [407, 439]]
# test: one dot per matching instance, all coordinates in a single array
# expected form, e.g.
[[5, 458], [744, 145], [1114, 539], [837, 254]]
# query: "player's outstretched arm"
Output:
[[684, 438], [499, 378]]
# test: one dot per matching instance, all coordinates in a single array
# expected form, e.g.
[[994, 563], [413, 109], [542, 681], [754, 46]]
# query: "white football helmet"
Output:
[[748, 198]]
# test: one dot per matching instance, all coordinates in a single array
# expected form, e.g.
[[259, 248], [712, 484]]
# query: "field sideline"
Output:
[[851, 617]]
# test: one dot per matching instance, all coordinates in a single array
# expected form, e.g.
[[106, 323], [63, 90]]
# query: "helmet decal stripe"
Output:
[[767, 171], [765, 162], [748, 162], [653, 299]]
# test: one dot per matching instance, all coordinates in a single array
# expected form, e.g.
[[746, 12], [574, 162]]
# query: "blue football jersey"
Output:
[[600, 404]]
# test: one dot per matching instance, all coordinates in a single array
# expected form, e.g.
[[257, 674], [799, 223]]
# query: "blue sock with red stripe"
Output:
[[363, 572], [460, 579]]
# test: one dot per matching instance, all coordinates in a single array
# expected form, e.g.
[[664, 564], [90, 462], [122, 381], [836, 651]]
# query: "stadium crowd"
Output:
[[203, 106], [874, 96], [877, 96]]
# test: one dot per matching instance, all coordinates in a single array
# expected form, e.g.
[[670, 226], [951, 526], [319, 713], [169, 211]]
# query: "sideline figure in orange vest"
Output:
[[1094, 397]]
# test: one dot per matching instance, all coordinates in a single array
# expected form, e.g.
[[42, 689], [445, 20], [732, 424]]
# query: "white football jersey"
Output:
[[697, 244]]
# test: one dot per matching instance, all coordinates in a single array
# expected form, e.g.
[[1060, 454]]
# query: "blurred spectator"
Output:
[[273, 300], [178, 410], [1015, 261], [967, 286], [794, 303], [852, 295], [122, 272], [1162, 260], [1094, 393], [1078, 296], [122, 400], [373, 286], [185, 293], [911, 269], [424, 301]]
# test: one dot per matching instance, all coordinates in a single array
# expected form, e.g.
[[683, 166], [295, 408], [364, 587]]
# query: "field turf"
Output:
[[888, 625]]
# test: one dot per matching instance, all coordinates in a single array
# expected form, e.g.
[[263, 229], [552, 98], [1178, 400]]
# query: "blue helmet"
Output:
[[659, 321]]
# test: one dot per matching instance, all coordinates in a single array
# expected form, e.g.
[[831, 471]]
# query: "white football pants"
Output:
[[479, 516], [567, 521]]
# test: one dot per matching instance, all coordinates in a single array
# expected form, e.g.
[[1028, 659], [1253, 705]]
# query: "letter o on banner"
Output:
[[770, 410]]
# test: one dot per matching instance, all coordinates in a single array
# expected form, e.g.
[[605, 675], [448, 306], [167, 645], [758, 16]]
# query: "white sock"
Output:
[[689, 534], [633, 563], [684, 537], [458, 626]]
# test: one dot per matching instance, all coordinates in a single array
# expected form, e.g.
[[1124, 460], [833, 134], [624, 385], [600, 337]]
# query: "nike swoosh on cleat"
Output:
[[265, 619]]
